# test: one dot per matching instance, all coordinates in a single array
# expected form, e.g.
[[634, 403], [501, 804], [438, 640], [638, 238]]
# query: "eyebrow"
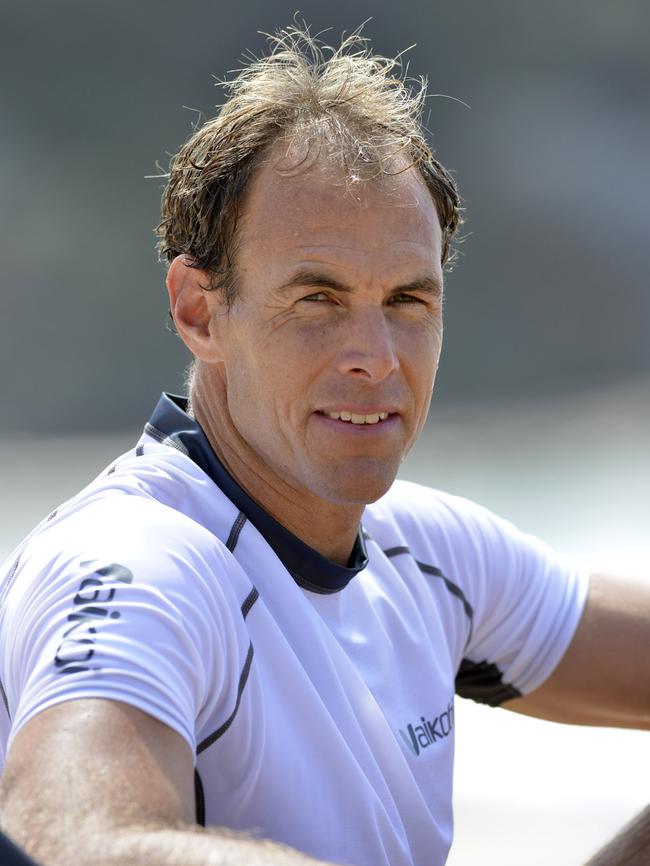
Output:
[[318, 280]]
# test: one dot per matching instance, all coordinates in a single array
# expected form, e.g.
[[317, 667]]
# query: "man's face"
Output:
[[338, 320]]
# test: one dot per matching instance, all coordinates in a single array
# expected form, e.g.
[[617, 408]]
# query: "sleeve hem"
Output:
[[156, 712]]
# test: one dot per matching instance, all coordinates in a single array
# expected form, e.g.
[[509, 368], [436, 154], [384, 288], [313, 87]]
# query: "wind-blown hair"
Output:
[[355, 104]]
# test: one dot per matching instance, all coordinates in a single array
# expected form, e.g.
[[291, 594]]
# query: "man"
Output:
[[244, 623]]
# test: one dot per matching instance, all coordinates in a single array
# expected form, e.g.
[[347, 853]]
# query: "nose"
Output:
[[368, 349]]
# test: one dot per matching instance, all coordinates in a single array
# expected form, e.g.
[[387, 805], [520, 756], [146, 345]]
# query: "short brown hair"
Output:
[[346, 95]]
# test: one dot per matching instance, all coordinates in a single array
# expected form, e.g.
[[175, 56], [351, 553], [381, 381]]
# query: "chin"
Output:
[[355, 485]]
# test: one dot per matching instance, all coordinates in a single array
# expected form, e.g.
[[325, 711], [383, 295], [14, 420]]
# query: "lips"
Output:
[[359, 408], [357, 418]]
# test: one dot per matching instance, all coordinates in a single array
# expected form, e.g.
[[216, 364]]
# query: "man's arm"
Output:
[[604, 677], [97, 781]]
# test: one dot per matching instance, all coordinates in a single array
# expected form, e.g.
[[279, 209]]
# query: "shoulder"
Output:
[[156, 516], [147, 494], [128, 592], [413, 507], [457, 529]]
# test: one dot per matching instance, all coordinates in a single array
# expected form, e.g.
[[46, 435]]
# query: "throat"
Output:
[[328, 527]]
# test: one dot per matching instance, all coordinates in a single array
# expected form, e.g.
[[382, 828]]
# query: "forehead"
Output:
[[317, 205]]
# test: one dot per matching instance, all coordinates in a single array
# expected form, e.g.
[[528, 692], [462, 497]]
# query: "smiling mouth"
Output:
[[353, 418]]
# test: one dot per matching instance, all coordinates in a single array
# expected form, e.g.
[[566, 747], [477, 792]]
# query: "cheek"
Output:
[[421, 352], [264, 379]]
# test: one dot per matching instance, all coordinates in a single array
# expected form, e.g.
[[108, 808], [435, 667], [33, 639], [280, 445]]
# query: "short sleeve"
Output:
[[125, 600], [511, 604], [526, 601]]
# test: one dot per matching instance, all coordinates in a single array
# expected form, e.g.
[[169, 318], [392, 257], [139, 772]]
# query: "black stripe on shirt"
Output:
[[164, 439], [3, 695], [246, 606], [483, 683], [240, 688], [480, 681], [199, 799], [432, 570], [249, 601], [237, 527]]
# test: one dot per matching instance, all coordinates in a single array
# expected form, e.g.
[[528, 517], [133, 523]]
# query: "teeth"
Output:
[[358, 419]]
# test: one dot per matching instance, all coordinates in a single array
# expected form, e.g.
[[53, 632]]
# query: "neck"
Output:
[[327, 527]]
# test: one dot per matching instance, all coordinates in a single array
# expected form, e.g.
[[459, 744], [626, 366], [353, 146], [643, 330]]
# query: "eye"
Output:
[[316, 296], [404, 298]]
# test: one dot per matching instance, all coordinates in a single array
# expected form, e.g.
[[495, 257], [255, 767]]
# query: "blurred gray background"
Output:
[[542, 406], [551, 291]]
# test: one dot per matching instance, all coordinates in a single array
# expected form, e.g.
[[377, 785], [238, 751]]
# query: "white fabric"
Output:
[[329, 748]]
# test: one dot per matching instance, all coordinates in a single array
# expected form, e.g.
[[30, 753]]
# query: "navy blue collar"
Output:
[[309, 568]]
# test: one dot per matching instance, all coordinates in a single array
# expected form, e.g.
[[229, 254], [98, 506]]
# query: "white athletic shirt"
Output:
[[318, 698]]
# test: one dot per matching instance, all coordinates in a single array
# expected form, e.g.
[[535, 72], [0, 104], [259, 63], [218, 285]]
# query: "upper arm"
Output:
[[93, 766], [604, 676]]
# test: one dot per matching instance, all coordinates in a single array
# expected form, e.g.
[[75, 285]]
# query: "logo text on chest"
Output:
[[428, 731]]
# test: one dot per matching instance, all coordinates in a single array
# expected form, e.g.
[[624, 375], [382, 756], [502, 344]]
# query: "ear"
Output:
[[195, 309]]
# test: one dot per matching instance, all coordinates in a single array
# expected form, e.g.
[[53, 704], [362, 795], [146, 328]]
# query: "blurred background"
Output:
[[542, 405]]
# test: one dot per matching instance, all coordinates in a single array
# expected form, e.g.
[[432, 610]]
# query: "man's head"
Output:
[[350, 102], [307, 230]]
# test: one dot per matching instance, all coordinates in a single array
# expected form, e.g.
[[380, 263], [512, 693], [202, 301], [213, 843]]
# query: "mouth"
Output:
[[354, 418], [378, 418]]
